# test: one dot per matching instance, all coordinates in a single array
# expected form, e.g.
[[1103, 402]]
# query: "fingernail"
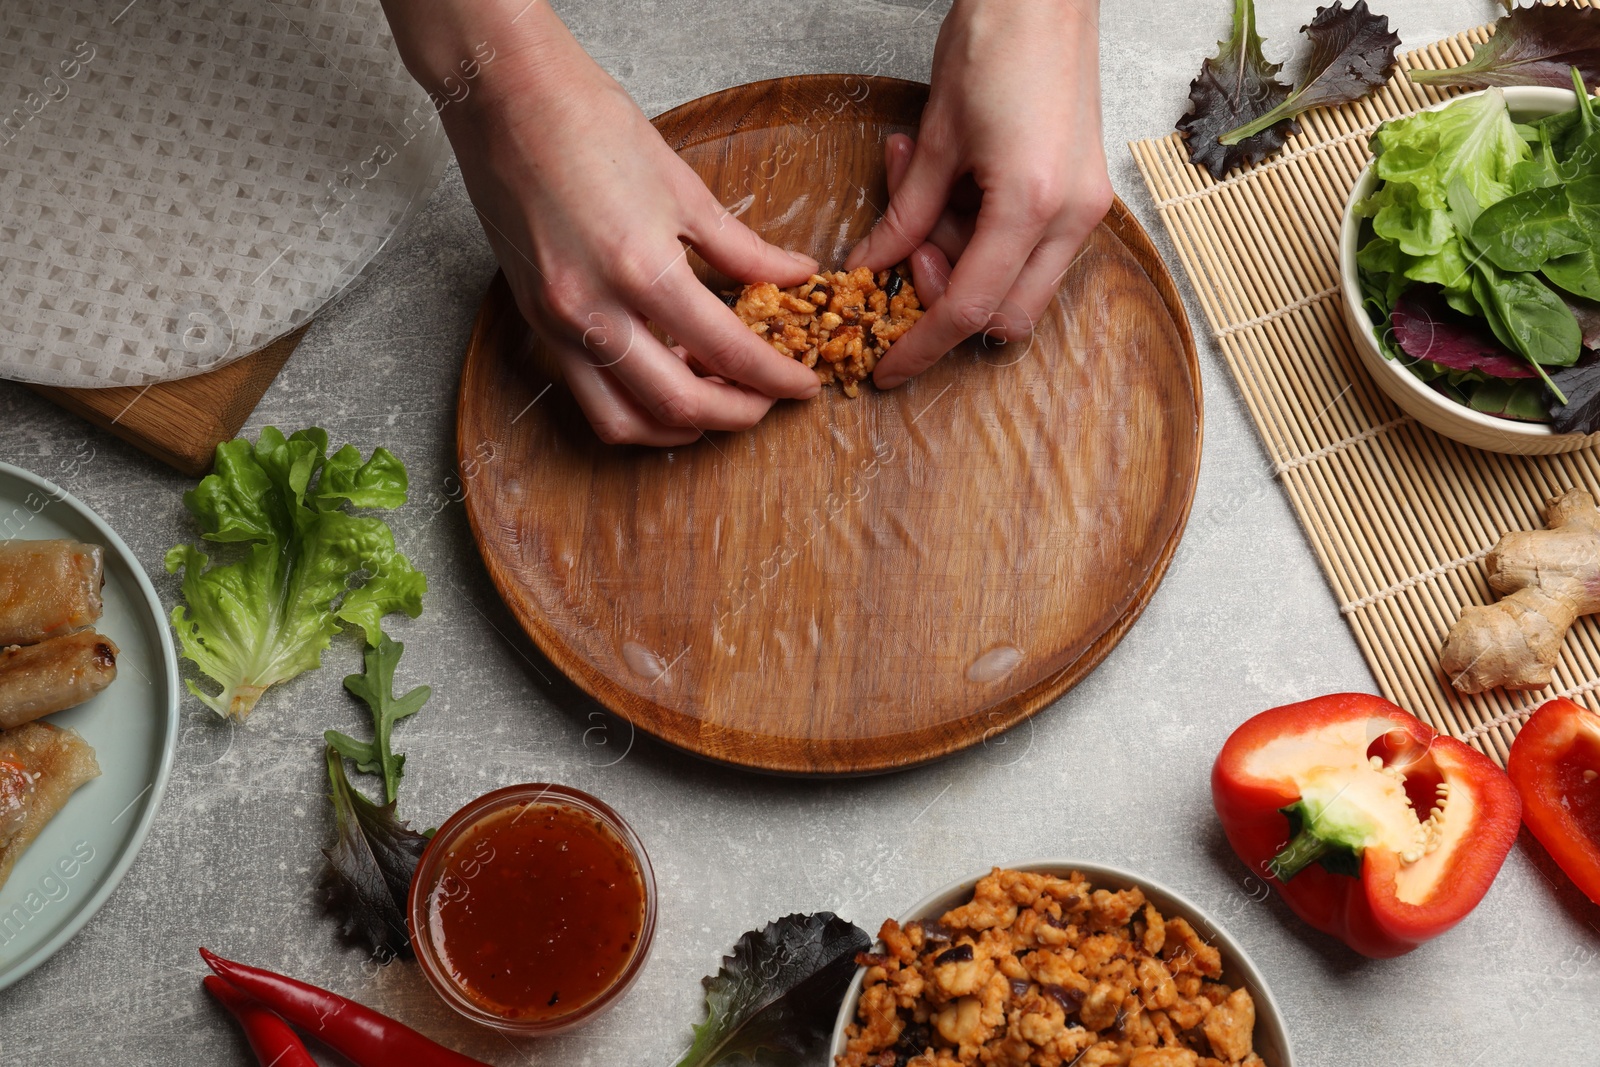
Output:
[[893, 381], [811, 391], [803, 260]]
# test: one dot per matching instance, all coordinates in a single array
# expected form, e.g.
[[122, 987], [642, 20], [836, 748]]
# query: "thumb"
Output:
[[930, 273]]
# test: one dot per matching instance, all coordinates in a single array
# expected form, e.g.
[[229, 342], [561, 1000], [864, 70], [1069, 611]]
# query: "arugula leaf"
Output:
[[1535, 45], [369, 868], [376, 688], [266, 617], [1233, 87], [780, 990], [1352, 53]]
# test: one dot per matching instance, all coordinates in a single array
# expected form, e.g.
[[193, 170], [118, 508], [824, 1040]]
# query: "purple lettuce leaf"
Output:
[[1425, 327], [1587, 312], [1581, 384]]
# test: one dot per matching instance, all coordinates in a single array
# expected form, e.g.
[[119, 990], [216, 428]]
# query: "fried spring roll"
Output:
[[40, 767], [53, 675], [48, 588]]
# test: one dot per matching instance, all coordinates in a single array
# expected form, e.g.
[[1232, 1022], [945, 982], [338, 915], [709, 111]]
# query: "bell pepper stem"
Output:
[[1301, 852]]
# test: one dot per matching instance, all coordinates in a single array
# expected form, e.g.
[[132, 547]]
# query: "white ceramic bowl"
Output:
[[1271, 1036], [1433, 409]]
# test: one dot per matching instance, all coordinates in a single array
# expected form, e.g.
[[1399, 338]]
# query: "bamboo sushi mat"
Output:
[[1400, 517]]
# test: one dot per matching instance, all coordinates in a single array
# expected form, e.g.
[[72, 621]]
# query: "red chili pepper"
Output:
[[274, 1044], [363, 1036], [1374, 828], [1555, 764]]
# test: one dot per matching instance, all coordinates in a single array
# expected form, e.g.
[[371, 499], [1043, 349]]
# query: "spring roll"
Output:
[[53, 675], [40, 767], [48, 588]]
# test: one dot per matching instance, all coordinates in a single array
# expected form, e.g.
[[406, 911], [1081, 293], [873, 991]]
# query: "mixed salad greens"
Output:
[[1480, 262], [302, 565]]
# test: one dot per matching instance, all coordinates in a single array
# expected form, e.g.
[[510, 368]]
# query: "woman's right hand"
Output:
[[589, 213]]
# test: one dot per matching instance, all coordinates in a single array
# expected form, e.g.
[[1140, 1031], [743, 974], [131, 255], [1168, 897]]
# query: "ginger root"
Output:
[[1547, 578]]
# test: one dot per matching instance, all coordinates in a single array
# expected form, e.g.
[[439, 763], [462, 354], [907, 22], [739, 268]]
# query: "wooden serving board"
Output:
[[182, 422], [859, 585]]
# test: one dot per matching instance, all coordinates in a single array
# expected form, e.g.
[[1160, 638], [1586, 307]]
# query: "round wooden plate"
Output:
[[859, 585]]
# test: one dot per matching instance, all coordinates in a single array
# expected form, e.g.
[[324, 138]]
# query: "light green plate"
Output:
[[75, 864]]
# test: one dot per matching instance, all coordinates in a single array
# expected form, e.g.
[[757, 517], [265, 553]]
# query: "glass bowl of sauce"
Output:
[[533, 909]]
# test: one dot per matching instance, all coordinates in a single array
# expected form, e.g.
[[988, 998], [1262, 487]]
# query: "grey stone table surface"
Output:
[[1116, 771]]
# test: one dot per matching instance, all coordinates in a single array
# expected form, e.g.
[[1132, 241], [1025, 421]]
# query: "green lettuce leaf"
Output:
[[305, 565], [376, 688], [779, 992], [1420, 157], [378, 483]]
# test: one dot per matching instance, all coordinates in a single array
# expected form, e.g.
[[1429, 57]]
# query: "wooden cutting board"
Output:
[[859, 585], [182, 422]]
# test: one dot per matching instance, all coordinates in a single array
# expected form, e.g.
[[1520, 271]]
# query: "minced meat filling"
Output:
[[1048, 972], [838, 323]]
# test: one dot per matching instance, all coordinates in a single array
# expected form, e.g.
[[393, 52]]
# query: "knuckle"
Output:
[[616, 430], [1095, 201], [1042, 196], [566, 297], [937, 136], [970, 316], [634, 269], [676, 407], [726, 356], [898, 214]]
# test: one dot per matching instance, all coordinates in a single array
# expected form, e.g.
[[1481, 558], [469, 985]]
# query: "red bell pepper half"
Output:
[[1373, 827], [1555, 765]]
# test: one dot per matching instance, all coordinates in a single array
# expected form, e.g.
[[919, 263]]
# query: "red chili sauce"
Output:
[[538, 912]]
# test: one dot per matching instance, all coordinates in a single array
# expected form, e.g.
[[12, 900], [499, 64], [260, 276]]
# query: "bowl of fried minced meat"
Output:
[[1058, 965]]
